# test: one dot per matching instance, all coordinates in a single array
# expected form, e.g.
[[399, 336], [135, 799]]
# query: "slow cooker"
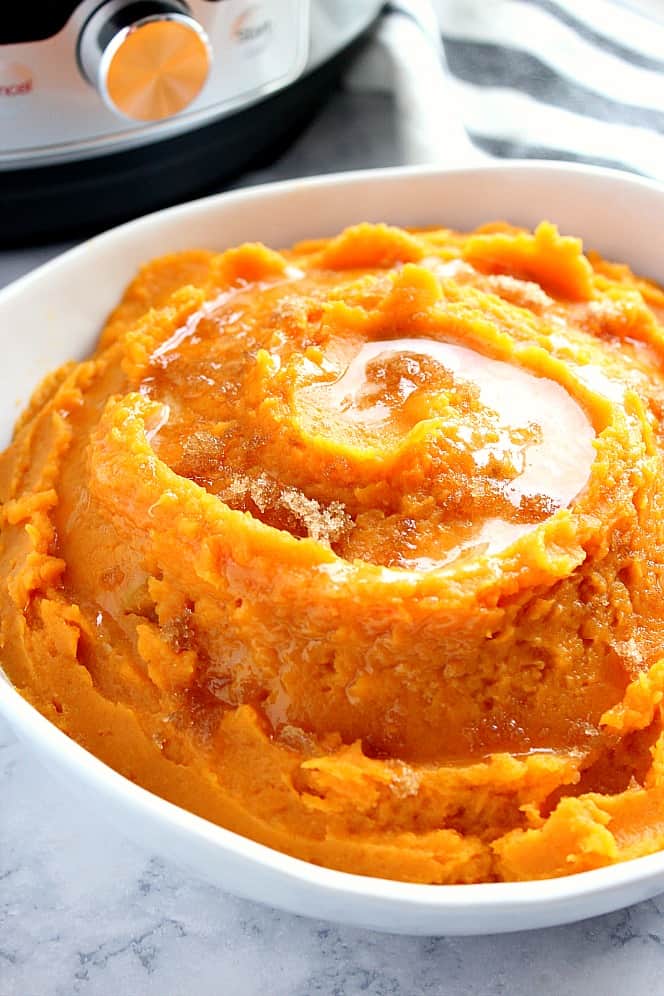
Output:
[[111, 109]]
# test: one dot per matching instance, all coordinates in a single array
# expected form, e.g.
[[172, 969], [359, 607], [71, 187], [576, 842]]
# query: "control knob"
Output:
[[148, 59]]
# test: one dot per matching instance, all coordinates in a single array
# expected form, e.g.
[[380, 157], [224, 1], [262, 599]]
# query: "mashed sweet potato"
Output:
[[357, 549]]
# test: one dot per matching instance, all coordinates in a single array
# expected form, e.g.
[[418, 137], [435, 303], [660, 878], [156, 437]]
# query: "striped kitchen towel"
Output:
[[580, 80], [560, 79]]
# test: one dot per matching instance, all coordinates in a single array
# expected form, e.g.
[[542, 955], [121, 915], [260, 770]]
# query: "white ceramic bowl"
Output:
[[55, 313]]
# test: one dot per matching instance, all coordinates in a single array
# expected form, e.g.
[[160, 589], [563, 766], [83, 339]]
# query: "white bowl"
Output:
[[55, 313]]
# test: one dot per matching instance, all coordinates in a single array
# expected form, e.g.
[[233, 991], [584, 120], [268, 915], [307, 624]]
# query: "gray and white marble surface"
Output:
[[84, 911]]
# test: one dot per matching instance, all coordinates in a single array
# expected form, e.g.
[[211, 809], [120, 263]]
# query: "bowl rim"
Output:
[[267, 190], [31, 725]]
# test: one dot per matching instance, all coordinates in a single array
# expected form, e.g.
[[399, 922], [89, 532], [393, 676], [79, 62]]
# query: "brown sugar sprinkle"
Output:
[[327, 524], [324, 523], [179, 631], [523, 293], [201, 454]]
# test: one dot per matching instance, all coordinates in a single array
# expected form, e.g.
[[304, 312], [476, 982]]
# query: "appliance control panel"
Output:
[[120, 73]]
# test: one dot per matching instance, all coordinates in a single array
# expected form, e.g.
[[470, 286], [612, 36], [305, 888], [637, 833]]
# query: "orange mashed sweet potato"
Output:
[[357, 549]]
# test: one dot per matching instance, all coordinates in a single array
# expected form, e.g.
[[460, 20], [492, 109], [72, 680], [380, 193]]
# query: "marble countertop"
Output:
[[84, 911]]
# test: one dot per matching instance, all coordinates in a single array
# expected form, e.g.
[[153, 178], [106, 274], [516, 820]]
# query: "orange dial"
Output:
[[148, 60], [156, 68]]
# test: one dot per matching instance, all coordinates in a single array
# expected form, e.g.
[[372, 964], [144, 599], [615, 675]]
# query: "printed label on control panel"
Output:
[[252, 29], [15, 79]]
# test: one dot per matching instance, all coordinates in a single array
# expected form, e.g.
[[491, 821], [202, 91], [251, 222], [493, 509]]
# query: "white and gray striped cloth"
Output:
[[553, 79]]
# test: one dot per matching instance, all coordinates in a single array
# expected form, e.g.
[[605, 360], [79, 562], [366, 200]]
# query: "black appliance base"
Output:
[[45, 203]]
